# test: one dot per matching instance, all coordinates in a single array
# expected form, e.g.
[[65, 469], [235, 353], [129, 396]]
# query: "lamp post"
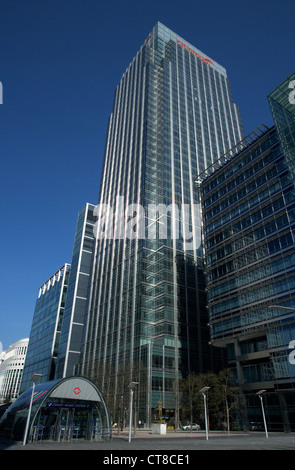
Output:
[[260, 393], [131, 386], [203, 391], [34, 378]]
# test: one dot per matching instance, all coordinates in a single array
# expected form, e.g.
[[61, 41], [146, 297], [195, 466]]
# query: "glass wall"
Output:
[[147, 298], [73, 318], [282, 105], [46, 328], [249, 236]]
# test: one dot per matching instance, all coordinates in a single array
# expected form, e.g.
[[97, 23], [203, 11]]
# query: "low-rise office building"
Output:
[[11, 369], [46, 327], [56, 333]]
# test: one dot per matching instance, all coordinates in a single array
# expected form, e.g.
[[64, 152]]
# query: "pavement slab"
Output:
[[177, 442]]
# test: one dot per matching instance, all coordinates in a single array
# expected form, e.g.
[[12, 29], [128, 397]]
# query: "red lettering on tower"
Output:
[[204, 59]]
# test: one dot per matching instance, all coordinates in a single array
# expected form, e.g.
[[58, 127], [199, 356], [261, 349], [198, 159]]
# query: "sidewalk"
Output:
[[174, 441]]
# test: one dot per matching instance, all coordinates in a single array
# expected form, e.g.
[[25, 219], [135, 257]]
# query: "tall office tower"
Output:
[[173, 114], [46, 327]]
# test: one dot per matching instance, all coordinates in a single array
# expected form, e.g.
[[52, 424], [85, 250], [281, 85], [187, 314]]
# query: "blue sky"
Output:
[[60, 61]]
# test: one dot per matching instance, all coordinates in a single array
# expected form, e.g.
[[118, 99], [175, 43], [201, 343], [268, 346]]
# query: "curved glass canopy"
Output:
[[61, 410]]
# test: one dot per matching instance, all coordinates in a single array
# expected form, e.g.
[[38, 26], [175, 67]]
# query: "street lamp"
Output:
[[131, 386], [203, 391], [260, 393], [34, 378]]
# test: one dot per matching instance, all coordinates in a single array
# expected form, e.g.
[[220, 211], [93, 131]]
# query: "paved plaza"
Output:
[[178, 442]]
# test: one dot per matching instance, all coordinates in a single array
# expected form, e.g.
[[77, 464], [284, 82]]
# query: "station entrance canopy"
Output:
[[64, 409]]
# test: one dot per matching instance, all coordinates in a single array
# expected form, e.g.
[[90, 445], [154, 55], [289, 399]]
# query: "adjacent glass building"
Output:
[[46, 327], [73, 318], [146, 319], [57, 327], [282, 105], [248, 212]]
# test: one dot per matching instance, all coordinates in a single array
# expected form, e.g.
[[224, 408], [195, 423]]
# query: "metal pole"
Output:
[[122, 413], [206, 422], [203, 391], [164, 376], [263, 414], [29, 415], [149, 384], [130, 413]]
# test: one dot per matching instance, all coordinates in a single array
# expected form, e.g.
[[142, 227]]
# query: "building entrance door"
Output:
[[74, 423], [63, 424], [81, 422], [67, 421]]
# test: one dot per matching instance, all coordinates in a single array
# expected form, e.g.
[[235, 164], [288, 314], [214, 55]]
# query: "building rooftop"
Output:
[[53, 279], [234, 151]]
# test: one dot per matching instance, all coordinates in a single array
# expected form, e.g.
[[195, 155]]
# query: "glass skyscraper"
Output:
[[173, 115]]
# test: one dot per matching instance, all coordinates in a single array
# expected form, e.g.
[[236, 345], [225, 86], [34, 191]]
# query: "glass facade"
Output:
[[73, 318], [248, 211], [282, 105], [46, 328], [146, 320]]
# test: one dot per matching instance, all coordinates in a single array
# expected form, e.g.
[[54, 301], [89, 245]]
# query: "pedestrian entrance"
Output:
[[72, 424], [62, 410], [67, 421]]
